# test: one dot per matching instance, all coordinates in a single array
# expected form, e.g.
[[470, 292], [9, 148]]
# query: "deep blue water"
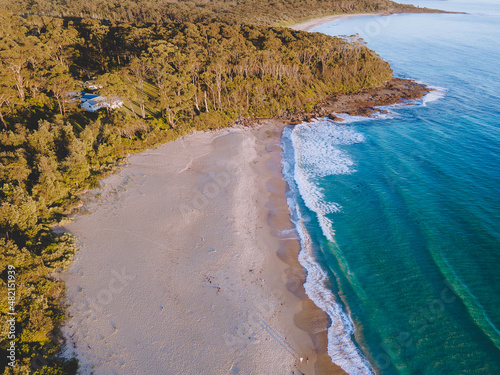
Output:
[[400, 216]]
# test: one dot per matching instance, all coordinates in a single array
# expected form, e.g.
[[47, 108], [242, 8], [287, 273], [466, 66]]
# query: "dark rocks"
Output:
[[334, 117], [361, 103]]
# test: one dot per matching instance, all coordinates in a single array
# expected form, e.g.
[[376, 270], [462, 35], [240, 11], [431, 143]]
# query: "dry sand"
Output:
[[311, 24], [187, 264]]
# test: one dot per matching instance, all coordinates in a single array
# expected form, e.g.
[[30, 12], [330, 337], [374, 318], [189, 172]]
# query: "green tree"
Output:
[[61, 40], [62, 84], [158, 60], [137, 72], [75, 167], [8, 100], [18, 212]]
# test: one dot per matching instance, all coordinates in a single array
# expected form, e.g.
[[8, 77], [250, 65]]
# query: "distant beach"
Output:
[[311, 24], [316, 22]]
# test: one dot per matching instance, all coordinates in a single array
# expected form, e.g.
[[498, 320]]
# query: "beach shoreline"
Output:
[[187, 262], [311, 24], [206, 213], [316, 22], [204, 224], [308, 317]]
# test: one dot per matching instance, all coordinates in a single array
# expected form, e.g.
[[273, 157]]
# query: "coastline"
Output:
[[311, 24], [188, 254], [194, 241], [225, 212], [364, 103], [315, 22]]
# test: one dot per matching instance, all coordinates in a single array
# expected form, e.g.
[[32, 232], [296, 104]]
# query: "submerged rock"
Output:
[[334, 117]]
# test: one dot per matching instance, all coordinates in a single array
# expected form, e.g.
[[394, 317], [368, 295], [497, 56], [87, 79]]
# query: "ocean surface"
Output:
[[399, 217]]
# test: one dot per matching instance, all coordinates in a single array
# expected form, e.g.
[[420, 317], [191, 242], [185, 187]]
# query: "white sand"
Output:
[[177, 272], [311, 24]]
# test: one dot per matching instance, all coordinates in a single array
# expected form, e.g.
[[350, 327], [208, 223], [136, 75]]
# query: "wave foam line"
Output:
[[300, 164], [436, 94], [472, 304], [341, 348], [316, 155]]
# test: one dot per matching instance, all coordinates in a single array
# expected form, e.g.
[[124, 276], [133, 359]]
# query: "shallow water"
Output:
[[402, 213]]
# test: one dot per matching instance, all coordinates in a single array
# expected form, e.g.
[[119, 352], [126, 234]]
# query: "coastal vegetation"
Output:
[[198, 66], [259, 12]]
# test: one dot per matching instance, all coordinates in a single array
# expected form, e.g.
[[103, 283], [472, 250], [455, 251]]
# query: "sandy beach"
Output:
[[187, 260], [187, 264], [311, 24]]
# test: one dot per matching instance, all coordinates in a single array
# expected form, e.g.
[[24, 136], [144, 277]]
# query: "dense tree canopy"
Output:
[[262, 12], [177, 72]]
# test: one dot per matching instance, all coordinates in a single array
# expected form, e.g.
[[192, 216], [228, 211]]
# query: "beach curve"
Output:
[[185, 264]]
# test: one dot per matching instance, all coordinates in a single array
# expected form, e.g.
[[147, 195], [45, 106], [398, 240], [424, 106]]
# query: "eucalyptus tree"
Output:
[[61, 41], [136, 74], [62, 86]]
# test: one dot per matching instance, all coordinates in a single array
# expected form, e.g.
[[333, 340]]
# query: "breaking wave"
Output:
[[312, 151]]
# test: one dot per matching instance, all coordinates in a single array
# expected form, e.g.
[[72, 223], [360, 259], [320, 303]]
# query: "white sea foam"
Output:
[[341, 348], [286, 234], [317, 155], [315, 151], [435, 94], [312, 152], [347, 119]]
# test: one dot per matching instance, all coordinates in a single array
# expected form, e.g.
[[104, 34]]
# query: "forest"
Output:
[[173, 78], [258, 12]]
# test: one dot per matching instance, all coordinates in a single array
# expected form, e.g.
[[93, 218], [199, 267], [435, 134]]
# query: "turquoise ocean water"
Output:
[[399, 217]]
